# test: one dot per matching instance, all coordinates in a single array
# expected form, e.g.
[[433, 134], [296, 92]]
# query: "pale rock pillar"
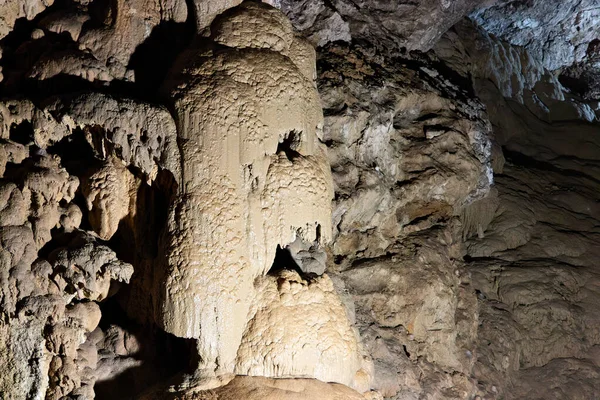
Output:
[[237, 103]]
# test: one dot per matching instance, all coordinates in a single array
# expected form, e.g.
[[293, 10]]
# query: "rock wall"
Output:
[[299, 200]]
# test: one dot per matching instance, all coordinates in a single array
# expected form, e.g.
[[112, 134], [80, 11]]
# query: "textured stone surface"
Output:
[[44, 327], [300, 328], [52, 272], [249, 387], [173, 236], [390, 25], [406, 157], [12, 10], [556, 32], [250, 181]]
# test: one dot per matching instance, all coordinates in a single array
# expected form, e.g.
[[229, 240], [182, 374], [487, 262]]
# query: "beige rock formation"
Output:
[[261, 388], [42, 330], [300, 329], [86, 269], [110, 194], [71, 22], [401, 158], [139, 228], [251, 180], [126, 25], [140, 134], [46, 315], [12, 10]]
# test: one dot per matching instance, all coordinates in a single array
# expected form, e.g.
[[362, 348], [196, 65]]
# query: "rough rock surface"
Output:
[[53, 273], [406, 157], [390, 25], [12, 10], [167, 229], [556, 32], [44, 326], [306, 322], [533, 261], [260, 388]]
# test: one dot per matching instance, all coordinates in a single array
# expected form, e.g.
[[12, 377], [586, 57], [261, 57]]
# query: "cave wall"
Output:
[[299, 200]]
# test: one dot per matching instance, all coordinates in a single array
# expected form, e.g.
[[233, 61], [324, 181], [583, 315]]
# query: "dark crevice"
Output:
[[289, 145], [20, 51], [77, 156], [160, 355], [152, 59], [522, 160], [406, 352], [285, 261], [21, 133]]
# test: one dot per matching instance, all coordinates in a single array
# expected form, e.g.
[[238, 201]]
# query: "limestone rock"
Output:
[[556, 32], [300, 328], [532, 262], [388, 174], [86, 268], [71, 22], [415, 25], [142, 135], [399, 154], [12, 10], [126, 25], [469, 49], [251, 388], [458, 259], [110, 195], [250, 181], [310, 257]]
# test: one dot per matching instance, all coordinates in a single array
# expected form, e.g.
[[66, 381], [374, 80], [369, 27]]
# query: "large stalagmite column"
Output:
[[254, 176]]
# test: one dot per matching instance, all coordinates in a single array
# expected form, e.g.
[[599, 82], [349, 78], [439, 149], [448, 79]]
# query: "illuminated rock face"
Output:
[[300, 329], [254, 176], [168, 165]]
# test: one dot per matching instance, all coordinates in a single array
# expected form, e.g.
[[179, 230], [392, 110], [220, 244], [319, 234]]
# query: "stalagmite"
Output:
[[254, 176]]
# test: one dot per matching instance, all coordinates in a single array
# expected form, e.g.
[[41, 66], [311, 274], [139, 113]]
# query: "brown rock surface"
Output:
[[173, 235]]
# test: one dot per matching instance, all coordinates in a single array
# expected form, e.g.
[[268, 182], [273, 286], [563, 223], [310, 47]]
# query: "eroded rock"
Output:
[[414, 25]]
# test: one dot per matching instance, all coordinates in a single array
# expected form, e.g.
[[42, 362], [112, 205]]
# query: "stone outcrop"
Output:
[[300, 328], [556, 32], [255, 388], [391, 26], [400, 158], [53, 273]]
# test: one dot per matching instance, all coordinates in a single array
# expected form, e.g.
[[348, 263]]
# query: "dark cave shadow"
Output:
[[161, 355], [164, 357], [284, 261], [153, 59]]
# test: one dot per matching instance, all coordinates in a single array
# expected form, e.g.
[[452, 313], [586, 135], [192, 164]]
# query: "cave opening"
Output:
[[284, 261]]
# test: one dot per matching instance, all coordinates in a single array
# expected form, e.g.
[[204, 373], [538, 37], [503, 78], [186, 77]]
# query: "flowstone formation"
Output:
[[251, 180]]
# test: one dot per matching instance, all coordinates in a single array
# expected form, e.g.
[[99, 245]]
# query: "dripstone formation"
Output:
[[299, 200]]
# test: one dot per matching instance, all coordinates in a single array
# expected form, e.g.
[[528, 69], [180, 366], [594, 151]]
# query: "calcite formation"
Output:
[[300, 328], [261, 388], [252, 178]]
